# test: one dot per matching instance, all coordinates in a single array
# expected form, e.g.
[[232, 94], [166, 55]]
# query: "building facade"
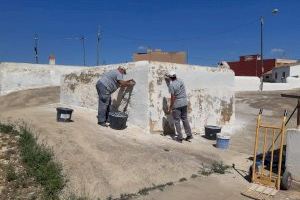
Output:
[[250, 65], [279, 74], [161, 56]]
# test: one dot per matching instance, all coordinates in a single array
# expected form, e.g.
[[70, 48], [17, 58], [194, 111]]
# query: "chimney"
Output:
[[51, 60]]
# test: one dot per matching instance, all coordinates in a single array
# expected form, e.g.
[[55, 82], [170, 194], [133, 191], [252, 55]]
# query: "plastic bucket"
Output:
[[222, 141], [117, 120], [63, 114], [211, 132]]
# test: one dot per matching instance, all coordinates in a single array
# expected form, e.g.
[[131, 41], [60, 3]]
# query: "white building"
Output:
[[279, 74]]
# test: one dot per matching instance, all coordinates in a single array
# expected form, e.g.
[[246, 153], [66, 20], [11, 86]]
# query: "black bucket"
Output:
[[211, 132], [117, 120], [64, 114]]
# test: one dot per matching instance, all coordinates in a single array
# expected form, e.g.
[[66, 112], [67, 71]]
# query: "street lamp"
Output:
[[274, 12]]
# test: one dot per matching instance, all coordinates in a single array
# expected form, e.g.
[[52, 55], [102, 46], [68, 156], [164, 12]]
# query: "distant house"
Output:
[[250, 65], [279, 74], [161, 56]]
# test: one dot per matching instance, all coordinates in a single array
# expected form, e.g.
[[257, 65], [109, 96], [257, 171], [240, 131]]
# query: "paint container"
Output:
[[118, 120], [63, 114], [211, 132], [222, 141]]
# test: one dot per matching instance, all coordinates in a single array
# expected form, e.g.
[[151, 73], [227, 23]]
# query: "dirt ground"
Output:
[[100, 161]]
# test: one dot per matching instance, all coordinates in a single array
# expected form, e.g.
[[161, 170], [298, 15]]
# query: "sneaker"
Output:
[[102, 124], [189, 137]]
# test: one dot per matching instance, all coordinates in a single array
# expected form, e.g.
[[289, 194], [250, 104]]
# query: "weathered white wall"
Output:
[[20, 76], [210, 93], [246, 83], [79, 89]]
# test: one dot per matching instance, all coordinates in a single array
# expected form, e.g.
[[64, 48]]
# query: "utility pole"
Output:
[[82, 38], [261, 53], [36, 48], [98, 46]]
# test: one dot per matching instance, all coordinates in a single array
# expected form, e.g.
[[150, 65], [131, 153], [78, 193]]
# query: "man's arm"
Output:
[[172, 102], [127, 83]]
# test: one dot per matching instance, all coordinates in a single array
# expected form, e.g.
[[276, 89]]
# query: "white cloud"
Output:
[[277, 50]]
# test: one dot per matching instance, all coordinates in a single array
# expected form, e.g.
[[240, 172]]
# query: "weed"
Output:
[[8, 128], [40, 162], [194, 176], [144, 191], [219, 167], [205, 171], [11, 174], [182, 179]]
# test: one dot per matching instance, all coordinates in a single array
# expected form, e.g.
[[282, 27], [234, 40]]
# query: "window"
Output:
[[283, 74], [276, 75]]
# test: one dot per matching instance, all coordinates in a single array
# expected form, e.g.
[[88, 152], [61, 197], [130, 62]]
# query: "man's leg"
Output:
[[103, 103], [108, 110], [176, 116], [185, 121]]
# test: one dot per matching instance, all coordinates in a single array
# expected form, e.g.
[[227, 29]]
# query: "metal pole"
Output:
[[83, 46], [98, 46], [36, 48], [261, 52]]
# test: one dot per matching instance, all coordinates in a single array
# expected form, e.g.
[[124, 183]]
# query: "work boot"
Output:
[[103, 124], [189, 137]]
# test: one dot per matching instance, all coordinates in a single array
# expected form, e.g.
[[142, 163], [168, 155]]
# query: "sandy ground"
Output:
[[100, 161]]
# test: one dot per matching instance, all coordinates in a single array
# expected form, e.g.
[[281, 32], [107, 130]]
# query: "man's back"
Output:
[[110, 80], [177, 89]]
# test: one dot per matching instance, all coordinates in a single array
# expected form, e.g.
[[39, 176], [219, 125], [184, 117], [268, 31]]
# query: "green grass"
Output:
[[219, 167], [38, 159], [8, 128], [11, 174], [41, 164]]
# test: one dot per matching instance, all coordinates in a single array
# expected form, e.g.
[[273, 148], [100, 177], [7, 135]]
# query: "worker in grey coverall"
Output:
[[178, 106], [108, 84]]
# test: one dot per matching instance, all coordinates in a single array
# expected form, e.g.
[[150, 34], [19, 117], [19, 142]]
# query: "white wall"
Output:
[[79, 89], [20, 76], [246, 83], [210, 94], [209, 91], [295, 71]]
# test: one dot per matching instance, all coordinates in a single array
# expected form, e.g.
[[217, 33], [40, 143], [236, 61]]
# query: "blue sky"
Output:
[[210, 30]]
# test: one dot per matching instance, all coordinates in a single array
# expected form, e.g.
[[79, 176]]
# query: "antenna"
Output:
[[82, 38], [36, 39], [98, 45]]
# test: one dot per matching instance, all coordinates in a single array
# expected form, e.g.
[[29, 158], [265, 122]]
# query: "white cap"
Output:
[[123, 67], [172, 74]]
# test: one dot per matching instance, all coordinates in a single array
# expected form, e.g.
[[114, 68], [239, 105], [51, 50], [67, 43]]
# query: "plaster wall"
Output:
[[20, 76], [246, 83], [209, 90], [79, 89]]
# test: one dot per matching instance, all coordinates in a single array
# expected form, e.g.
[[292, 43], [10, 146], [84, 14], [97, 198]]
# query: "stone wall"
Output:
[[210, 93], [20, 76]]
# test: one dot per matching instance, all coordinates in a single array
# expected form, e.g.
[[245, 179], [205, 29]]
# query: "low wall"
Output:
[[20, 76], [246, 83], [250, 83], [292, 153], [210, 94]]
